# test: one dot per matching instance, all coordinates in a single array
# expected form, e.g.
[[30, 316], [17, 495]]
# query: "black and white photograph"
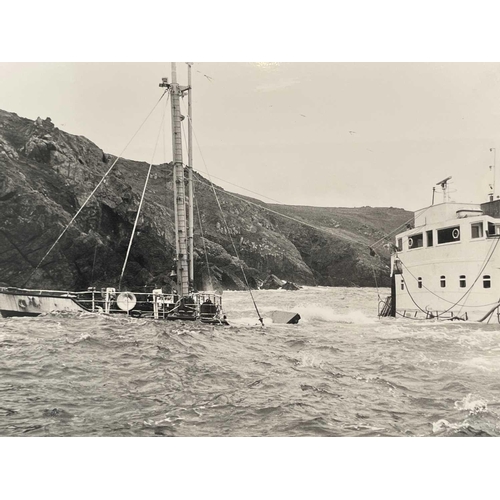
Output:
[[228, 263]]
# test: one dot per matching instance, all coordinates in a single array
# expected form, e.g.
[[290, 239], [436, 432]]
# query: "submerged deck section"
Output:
[[203, 306]]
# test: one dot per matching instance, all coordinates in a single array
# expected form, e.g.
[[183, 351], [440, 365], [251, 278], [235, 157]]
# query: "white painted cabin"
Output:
[[447, 264]]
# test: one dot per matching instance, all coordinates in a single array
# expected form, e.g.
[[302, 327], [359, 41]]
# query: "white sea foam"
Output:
[[473, 404], [310, 361], [443, 425], [322, 313]]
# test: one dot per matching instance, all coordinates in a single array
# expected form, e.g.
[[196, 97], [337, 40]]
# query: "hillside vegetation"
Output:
[[47, 174]]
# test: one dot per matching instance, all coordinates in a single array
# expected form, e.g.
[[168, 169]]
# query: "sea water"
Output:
[[341, 371]]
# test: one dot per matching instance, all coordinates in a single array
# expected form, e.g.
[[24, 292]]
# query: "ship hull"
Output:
[[448, 265], [20, 303]]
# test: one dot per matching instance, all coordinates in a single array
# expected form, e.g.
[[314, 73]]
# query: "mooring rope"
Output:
[[92, 193]]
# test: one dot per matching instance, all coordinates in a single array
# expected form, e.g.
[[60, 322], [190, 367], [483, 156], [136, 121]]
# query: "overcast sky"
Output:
[[323, 134]]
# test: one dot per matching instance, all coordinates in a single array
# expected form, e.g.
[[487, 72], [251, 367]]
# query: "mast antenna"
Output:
[[493, 168], [444, 187]]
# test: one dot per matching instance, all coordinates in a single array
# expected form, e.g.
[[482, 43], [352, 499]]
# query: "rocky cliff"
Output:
[[47, 174]]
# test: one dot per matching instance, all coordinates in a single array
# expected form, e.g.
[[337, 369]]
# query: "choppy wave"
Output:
[[310, 313], [340, 372]]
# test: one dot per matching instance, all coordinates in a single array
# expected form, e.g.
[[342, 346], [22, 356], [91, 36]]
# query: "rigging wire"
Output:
[[351, 240], [199, 217], [376, 283], [246, 189], [372, 245], [385, 237], [377, 243], [93, 262], [204, 246], [165, 159], [142, 197], [93, 192], [95, 248], [394, 231], [321, 229], [261, 319]]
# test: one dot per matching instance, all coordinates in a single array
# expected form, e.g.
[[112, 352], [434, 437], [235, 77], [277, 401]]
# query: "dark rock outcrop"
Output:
[[272, 282], [290, 286], [46, 175]]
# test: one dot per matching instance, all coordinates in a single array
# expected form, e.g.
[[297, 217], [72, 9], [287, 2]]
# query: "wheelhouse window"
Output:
[[463, 282], [448, 234], [430, 239], [419, 281], [443, 281], [476, 230], [402, 285], [400, 244], [486, 281], [416, 240], [493, 229]]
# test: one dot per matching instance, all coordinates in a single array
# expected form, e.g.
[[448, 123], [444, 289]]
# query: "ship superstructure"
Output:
[[447, 263]]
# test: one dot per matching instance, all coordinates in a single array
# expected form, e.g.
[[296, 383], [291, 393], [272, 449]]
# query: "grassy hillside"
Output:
[[47, 174]]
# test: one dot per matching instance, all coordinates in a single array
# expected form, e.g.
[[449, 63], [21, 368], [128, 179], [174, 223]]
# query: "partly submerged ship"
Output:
[[445, 264], [183, 303]]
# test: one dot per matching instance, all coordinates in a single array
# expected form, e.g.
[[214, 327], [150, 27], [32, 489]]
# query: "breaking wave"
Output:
[[320, 313]]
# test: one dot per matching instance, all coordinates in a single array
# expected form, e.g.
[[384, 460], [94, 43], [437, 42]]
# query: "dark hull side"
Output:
[[13, 314]]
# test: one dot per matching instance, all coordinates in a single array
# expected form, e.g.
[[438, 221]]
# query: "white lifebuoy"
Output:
[[23, 303], [456, 233], [126, 301], [410, 242]]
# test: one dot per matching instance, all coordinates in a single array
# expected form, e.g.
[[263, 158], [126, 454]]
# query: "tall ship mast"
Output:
[[181, 214]]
